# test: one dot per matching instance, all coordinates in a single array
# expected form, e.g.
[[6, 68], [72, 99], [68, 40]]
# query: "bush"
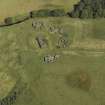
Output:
[[47, 12], [16, 19], [9, 20], [40, 13], [57, 12]]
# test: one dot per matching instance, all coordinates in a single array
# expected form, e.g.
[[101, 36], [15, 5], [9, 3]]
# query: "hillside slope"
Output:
[[14, 7]]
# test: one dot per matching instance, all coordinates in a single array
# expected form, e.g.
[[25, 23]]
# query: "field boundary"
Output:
[[39, 13]]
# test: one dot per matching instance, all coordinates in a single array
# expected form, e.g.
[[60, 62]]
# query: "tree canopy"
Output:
[[88, 9]]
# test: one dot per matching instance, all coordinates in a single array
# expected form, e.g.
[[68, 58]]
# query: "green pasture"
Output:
[[47, 84]]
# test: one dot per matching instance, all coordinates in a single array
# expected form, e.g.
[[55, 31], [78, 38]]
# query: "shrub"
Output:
[[47, 12], [9, 20], [33, 13], [40, 13], [16, 19], [57, 12]]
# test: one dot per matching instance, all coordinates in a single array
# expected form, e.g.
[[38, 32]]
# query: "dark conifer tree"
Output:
[[88, 9]]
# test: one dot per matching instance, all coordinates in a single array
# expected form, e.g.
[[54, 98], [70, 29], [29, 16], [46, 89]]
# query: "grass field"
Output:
[[14, 7], [47, 83]]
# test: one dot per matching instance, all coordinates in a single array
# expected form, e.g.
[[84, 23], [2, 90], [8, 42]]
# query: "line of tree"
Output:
[[48, 13], [33, 14], [88, 9]]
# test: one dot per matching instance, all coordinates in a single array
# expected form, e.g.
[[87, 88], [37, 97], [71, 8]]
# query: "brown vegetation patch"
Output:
[[79, 79]]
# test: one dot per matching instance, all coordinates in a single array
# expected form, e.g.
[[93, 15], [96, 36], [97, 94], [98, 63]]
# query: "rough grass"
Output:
[[14, 7], [47, 83]]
